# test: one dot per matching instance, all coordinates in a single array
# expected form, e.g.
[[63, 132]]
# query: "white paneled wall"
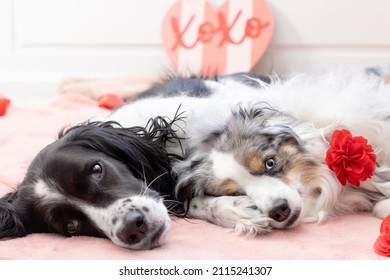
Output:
[[324, 33], [43, 41]]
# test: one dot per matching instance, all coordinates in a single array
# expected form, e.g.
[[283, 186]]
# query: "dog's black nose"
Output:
[[280, 210], [134, 228]]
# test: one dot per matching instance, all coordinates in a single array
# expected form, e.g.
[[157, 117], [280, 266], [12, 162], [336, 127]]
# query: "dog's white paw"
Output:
[[253, 226], [238, 213], [250, 220], [382, 208]]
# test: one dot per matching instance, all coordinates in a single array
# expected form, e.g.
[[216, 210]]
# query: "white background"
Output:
[[109, 269], [44, 41]]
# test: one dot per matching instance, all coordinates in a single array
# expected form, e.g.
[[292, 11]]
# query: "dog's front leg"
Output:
[[239, 213]]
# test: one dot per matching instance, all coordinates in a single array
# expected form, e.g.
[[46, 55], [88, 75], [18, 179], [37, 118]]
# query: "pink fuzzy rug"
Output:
[[25, 131]]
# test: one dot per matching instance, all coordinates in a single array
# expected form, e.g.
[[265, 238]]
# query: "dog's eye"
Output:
[[270, 164], [96, 170], [72, 227]]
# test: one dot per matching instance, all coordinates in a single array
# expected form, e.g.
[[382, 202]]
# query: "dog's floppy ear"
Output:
[[283, 134], [11, 224], [260, 114]]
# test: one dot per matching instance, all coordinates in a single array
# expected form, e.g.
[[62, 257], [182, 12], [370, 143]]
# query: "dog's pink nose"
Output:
[[134, 228], [280, 210]]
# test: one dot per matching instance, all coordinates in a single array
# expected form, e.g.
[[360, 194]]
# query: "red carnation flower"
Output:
[[382, 244], [109, 101], [351, 158], [4, 102]]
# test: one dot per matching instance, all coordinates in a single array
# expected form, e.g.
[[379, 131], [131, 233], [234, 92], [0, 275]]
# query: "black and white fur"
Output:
[[254, 158], [97, 179]]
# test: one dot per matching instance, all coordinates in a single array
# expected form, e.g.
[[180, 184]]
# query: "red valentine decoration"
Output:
[[4, 102], [351, 158], [382, 244], [109, 101], [202, 39]]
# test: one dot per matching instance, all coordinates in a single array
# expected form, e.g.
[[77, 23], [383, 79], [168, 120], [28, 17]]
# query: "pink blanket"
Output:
[[25, 131]]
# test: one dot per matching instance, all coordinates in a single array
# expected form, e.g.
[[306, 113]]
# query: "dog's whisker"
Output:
[[174, 201], [156, 178], [145, 186]]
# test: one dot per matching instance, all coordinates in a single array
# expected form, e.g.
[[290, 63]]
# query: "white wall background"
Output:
[[43, 41]]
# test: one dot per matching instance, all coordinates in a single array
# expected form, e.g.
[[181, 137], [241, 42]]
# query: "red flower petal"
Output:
[[4, 103], [382, 244], [109, 101]]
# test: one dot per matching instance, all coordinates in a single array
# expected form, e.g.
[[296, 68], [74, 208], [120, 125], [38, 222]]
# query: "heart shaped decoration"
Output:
[[201, 39]]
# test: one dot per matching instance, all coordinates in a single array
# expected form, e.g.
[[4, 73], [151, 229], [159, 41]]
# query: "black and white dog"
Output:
[[97, 179], [253, 158]]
